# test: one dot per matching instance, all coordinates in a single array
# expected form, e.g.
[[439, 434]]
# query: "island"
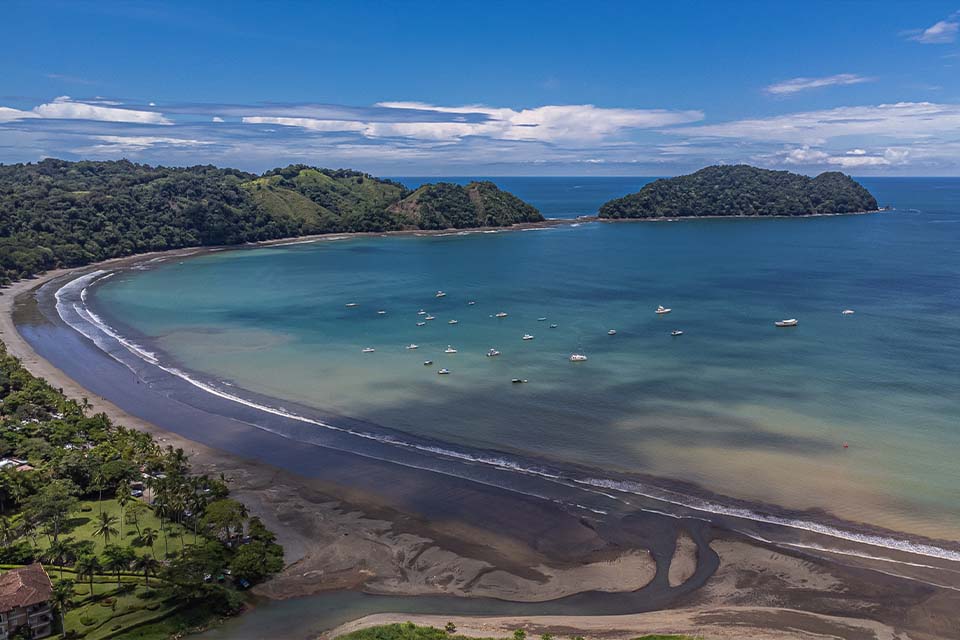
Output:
[[56, 213], [742, 190]]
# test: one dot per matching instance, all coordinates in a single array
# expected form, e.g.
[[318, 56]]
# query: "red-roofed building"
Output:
[[25, 601]]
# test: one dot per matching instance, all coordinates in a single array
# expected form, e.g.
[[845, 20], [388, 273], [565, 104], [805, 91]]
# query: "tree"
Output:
[[117, 559], [53, 504], [519, 634], [225, 517], [147, 537], [134, 512], [87, 566], [146, 564], [105, 528], [123, 496], [256, 561], [62, 593], [59, 553], [450, 628]]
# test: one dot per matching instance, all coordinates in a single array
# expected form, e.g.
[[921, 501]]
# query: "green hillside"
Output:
[[479, 204]]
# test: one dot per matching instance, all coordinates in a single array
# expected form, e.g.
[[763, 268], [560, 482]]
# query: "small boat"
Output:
[[381, 312], [847, 312], [501, 314], [472, 302], [420, 324], [449, 349], [541, 319], [430, 318], [612, 332], [441, 294], [413, 346], [427, 363], [350, 305], [452, 321], [367, 350], [676, 332], [792, 322], [492, 353], [527, 336], [421, 312], [553, 326], [443, 371], [519, 381], [662, 309], [577, 357]]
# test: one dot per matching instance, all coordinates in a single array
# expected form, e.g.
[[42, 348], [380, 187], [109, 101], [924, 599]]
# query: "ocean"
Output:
[[735, 405]]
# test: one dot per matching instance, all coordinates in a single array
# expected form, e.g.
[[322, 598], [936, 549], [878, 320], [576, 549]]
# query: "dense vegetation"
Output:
[[742, 190], [64, 214], [131, 536], [410, 631]]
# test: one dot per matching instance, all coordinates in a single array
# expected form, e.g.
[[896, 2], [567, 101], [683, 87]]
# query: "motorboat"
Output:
[[792, 322], [472, 302], [501, 314], [420, 324], [412, 346], [612, 332], [441, 294], [577, 357], [662, 309], [350, 305], [449, 349], [452, 321], [381, 312], [421, 312], [427, 363], [527, 336], [676, 332], [443, 371], [430, 318], [492, 353], [519, 381], [541, 319], [367, 350], [553, 326], [847, 312]]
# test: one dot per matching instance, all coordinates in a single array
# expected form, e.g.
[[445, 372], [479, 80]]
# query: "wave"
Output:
[[71, 306]]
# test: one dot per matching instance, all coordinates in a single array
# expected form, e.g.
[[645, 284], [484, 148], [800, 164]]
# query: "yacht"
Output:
[[452, 321], [612, 332], [441, 294], [381, 312], [662, 309], [676, 332], [553, 326], [443, 371], [350, 305], [421, 312], [577, 357], [541, 319], [430, 318], [427, 363], [367, 350], [847, 312], [421, 323], [519, 381], [472, 302], [527, 336], [501, 314], [413, 346], [449, 349], [492, 353], [792, 322]]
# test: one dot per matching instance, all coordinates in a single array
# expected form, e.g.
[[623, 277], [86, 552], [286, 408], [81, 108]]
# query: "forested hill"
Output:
[[742, 190], [56, 213]]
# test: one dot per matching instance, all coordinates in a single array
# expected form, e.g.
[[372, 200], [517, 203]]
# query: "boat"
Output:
[[443, 371], [381, 312], [519, 381], [350, 305], [553, 326], [427, 363], [421, 312], [420, 324], [413, 346], [430, 318], [449, 349], [472, 302], [612, 332], [492, 353], [452, 321], [676, 332], [501, 314], [662, 309], [577, 357], [527, 336], [367, 350], [792, 322], [847, 312], [441, 294], [541, 319]]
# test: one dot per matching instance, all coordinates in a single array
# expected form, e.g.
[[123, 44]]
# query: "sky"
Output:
[[486, 88]]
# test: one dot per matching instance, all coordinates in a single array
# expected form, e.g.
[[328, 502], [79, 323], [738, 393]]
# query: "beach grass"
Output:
[[410, 631]]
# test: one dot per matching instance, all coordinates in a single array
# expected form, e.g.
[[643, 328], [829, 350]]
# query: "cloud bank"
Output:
[[796, 85]]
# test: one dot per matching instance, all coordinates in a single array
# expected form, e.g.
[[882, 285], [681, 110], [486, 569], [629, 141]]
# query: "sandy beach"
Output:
[[716, 584]]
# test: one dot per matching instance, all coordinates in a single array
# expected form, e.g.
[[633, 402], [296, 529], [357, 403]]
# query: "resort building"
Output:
[[25, 602]]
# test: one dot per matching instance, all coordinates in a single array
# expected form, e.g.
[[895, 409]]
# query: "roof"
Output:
[[24, 587]]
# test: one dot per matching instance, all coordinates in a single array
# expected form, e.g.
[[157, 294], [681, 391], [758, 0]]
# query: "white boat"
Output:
[[662, 309], [492, 353], [430, 318], [577, 357], [381, 312], [527, 336], [427, 363], [441, 294], [792, 322], [472, 302], [367, 350], [676, 332], [501, 314], [519, 381], [443, 371], [612, 332], [452, 321], [847, 312], [350, 304], [420, 324], [553, 326], [413, 346], [449, 349], [421, 312], [541, 319]]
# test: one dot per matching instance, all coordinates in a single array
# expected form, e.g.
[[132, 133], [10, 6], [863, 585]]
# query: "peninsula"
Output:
[[742, 190]]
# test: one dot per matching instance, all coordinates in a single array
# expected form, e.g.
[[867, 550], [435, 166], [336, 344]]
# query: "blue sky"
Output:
[[461, 88]]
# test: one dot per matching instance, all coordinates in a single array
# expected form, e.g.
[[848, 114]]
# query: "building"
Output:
[[25, 601]]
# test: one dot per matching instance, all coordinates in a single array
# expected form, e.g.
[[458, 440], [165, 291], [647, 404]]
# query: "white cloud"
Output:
[[853, 158], [65, 108], [9, 115], [141, 143], [804, 155], [942, 32], [795, 85], [552, 123]]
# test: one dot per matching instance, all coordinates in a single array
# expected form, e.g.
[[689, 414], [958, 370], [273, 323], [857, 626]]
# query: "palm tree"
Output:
[[148, 565], [117, 559], [105, 527], [148, 536], [99, 482], [59, 553], [7, 531], [123, 496], [87, 566], [134, 513], [62, 592]]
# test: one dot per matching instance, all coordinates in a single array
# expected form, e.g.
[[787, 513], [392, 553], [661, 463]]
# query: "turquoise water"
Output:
[[734, 404]]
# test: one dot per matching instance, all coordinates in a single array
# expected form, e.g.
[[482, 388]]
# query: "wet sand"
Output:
[[349, 522]]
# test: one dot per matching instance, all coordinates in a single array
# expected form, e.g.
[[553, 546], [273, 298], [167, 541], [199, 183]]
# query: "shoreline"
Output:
[[348, 511]]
